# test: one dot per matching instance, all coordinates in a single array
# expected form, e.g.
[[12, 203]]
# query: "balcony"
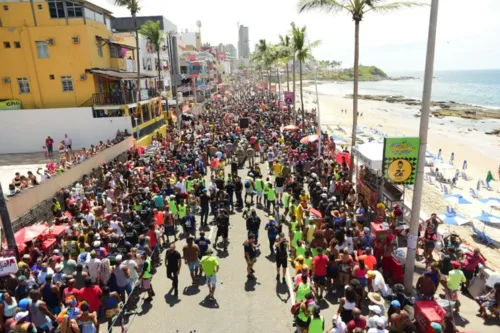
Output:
[[122, 97], [121, 64]]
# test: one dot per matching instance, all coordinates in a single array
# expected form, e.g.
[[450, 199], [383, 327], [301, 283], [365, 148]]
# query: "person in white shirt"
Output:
[[90, 218], [380, 326], [376, 283], [338, 326], [92, 266], [68, 143], [133, 269]]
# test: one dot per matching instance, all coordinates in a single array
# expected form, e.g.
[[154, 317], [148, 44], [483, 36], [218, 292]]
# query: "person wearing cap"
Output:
[[436, 327], [21, 323], [376, 283], [316, 321], [453, 284], [210, 266], [374, 313], [379, 326], [425, 287], [22, 289], [272, 228], [338, 326]]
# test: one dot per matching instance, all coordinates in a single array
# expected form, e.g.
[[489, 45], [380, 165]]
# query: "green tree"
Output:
[[134, 8], [287, 55], [259, 55], [357, 9], [154, 37]]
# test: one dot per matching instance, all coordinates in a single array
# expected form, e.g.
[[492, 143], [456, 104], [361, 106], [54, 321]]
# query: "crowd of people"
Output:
[[128, 210], [67, 158]]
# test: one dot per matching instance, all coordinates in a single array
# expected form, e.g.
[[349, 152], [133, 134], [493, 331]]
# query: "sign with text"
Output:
[[8, 266], [401, 160], [10, 104], [288, 97]]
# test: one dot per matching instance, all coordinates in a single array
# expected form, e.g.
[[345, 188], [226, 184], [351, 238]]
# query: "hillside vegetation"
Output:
[[366, 73]]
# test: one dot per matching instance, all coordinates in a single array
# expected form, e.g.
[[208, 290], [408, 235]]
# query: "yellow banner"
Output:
[[10, 104]]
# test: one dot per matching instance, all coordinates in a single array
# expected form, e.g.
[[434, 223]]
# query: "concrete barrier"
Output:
[[30, 198]]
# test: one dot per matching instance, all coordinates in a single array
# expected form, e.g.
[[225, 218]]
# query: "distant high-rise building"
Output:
[[231, 50], [243, 43]]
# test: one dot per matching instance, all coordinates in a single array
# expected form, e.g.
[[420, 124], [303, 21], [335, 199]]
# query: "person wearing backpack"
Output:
[[281, 248], [303, 314], [249, 189]]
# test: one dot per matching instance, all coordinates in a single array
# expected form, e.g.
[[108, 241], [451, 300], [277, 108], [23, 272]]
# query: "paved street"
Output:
[[242, 306]]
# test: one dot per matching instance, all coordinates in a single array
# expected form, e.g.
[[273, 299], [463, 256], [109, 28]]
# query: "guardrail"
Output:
[[23, 202]]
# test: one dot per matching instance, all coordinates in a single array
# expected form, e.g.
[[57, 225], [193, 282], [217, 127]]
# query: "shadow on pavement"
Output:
[[209, 304], [282, 289], [250, 285], [222, 254], [323, 304], [145, 307], [171, 299], [271, 257], [191, 290]]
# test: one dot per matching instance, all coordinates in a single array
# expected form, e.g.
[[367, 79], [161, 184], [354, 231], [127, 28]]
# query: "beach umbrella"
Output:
[[338, 140], [444, 166], [456, 199], [488, 218], [464, 165], [491, 201], [290, 128], [310, 138], [453, 219], [346, 156]]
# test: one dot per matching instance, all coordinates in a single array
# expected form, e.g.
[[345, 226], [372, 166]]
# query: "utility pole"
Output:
[[6, 224], [424, 127]]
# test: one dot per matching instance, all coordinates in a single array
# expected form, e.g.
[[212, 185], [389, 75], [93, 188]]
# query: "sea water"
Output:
[[475, 87]]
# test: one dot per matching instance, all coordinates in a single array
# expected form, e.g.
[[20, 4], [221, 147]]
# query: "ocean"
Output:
[[475, 87]]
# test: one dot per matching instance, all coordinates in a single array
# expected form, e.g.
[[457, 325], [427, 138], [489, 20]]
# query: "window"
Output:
[[51, 76], [5, 7], [67, 83], [24, 85], [42, 48], [73, 9], [17, 45], [115, 51], [56, 9], [40, 7], [99, 48], [6, 45]]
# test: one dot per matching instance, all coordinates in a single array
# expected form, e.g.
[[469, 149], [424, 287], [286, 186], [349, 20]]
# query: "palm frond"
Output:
[[152, 33], [378, 7], [132, 5], [328, 6]]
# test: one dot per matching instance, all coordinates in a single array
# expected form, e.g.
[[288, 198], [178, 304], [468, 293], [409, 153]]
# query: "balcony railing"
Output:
[[123, 97], [121, 64]]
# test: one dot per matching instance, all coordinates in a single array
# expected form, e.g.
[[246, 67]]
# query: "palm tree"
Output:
[[259, 56], [302, 54], [357, 9], [134, 8], [154, 37]]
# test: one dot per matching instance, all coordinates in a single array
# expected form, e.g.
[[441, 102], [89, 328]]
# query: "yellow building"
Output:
[[62, 54]]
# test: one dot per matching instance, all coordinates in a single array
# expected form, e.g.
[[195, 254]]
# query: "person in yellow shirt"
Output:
[[303, 196], [299, 212], [277, 168]]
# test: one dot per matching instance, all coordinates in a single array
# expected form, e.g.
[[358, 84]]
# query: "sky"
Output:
[[467, 34]]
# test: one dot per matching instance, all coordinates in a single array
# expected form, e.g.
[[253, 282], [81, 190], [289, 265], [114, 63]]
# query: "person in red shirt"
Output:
[[320, 263], [70, 290], [358, 321], [91, 294], [471, 261], [49, 143]]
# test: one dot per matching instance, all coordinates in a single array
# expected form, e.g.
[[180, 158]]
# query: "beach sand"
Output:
[[464, 137]]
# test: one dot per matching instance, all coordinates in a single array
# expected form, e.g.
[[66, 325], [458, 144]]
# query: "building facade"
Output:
[[230, 51], [243, 43], [62, 54], [191, 38]]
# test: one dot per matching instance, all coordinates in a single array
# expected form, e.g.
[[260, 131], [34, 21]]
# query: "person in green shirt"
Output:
[[182, 210], [173, 206], [286, 201], [454, 282], [271, 199], [259, 187], [317, 322], [210, 266], [266, 188]]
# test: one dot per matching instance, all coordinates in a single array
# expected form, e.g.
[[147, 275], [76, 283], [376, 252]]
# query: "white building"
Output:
[[191, 38]]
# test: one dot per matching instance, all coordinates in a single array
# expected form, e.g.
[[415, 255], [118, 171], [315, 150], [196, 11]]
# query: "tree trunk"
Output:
[[302, 97], [354, 97], [279, 89], [287, 78], [293, 86], [158, 87], [138, 60], [269, 82]]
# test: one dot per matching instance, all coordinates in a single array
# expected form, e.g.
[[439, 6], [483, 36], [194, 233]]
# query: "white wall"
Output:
[[25, 131]]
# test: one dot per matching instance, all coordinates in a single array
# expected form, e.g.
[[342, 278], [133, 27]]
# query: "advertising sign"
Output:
[[288, 97], [10, 104], [8, 266], [401, 160]]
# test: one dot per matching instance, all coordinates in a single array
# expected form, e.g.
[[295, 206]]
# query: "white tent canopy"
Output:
[[370, 154]]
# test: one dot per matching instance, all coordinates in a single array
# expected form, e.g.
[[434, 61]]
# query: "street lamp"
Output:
[[424, 128]]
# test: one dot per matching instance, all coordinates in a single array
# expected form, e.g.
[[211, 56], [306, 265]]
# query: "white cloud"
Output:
[[467, 32]]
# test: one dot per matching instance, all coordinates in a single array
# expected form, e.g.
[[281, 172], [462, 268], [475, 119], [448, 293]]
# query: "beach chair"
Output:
[[486, 185], [474, 193], [479, 234], [453, 211], [446, 190], [448, 209]]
